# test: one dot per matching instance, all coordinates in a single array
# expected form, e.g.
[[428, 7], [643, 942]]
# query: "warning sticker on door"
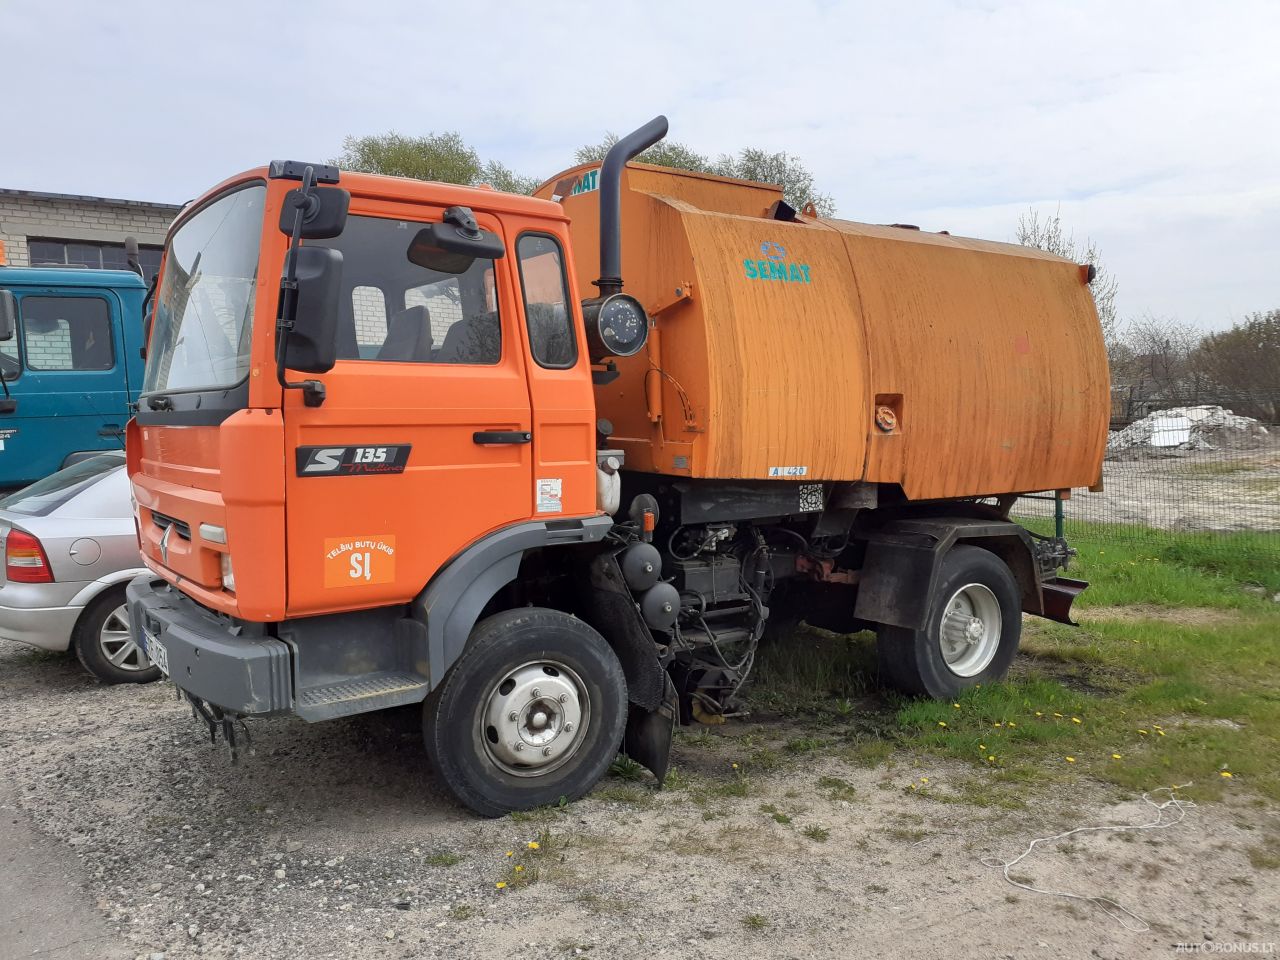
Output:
[[356, 561], [548, 495]]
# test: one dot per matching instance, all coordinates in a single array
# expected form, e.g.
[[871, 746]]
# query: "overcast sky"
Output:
[[1153, 127]]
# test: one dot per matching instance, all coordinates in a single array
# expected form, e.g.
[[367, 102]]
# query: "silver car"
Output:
[[70, 548]]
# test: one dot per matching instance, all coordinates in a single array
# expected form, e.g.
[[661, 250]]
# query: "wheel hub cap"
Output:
[[117, 643], [534, 719], [970, 631]]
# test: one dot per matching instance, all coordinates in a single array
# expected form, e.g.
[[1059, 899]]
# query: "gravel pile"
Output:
[[1179, 429]]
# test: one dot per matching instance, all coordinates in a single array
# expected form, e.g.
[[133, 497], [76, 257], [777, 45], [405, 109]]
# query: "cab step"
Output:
[[373, 691]]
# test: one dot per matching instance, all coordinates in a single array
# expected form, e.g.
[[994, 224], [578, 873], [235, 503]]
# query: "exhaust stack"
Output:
[[615, 160]]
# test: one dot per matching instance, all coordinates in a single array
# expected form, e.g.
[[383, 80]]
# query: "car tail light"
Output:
[[24, 559]]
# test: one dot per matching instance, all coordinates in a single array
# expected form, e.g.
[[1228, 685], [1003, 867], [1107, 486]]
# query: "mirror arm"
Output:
[[312, 390]]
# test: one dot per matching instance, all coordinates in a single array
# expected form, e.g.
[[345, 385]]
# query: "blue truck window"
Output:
[[67, 333]]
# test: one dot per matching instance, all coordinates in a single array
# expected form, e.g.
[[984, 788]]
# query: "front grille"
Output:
[[164, 521]]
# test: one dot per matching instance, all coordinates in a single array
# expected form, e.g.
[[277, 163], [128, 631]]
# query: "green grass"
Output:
[[1162, 698]]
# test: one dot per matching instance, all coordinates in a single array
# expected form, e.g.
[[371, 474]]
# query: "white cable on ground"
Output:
[[1126, 918]]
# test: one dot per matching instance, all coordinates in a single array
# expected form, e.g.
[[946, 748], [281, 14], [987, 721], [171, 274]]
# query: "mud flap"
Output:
[[649, 732], [1059, 593]]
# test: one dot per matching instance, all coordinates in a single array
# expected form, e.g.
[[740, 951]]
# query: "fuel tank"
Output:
[[806, 348]]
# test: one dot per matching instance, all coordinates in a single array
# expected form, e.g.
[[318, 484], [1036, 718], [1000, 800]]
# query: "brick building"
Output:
[[50, 229]]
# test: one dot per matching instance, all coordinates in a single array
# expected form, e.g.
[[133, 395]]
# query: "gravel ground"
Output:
[[1181, 490], [334, 841]]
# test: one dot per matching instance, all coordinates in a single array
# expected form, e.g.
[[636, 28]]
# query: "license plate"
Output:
[[156, 651]]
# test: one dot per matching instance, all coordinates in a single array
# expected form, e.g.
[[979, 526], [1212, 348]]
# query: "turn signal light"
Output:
[[24, 559]]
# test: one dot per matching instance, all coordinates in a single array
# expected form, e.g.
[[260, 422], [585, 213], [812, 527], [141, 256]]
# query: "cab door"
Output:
[[423, 443], [71, 394], [560, 387]]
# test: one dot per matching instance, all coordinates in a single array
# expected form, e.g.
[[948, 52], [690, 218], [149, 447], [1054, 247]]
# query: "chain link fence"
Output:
[[1175, 467]]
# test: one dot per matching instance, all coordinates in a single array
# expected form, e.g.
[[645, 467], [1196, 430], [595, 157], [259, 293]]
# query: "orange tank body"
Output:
[[775, 344]]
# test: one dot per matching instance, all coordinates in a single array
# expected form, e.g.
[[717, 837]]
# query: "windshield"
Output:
[[204, 311], [44, 496]]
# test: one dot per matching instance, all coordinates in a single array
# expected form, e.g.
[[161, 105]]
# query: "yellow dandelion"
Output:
[[1071, 759], [735, 766], [911, 786], [1116, 756], [1039, 714], [1161, 732], [991, 759], [1012, 724], [1141, 731], [1224, 773], [501, 884], [982, 746], [533, 845], [997, 724], [924, 779], [1057, 715], [956, 705], [518, 868], [942, 723], [511, 853], [1076, 720]]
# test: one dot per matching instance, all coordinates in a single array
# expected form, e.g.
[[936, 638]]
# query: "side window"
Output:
[[67, 333], [546, 300], [406, 313]]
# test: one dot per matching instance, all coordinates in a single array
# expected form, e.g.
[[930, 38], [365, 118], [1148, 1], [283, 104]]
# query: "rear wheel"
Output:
[[971, 634], [105, 644], [532, 712]]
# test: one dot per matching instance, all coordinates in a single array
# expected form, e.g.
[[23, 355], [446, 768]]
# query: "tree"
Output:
[[1047, 234], [1244, 362], [443, 157], [748, 164]]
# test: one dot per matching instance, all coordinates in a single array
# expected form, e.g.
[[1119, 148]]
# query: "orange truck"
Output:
[[413, 443]]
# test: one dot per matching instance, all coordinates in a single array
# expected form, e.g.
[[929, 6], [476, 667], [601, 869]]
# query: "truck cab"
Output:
[[71, 366]]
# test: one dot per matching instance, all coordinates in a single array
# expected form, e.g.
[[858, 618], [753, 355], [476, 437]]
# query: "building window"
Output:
[[97, 256]]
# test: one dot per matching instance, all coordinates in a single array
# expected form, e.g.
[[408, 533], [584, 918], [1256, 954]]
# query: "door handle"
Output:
[[111, 430], [502, 436]]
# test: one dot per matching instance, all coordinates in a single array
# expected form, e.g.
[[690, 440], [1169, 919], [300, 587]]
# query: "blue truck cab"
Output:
[[70, 363]]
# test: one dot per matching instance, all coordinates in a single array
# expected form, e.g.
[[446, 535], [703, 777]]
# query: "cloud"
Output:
[[1151, 124]]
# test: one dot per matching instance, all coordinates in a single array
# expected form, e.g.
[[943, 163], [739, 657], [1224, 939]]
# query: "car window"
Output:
[[546, 300], [44, 496], [67, 333]]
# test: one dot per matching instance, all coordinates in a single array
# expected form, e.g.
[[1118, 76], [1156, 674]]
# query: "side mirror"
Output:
[[453, 244], [8, 314], [312, 344], [324, 212]]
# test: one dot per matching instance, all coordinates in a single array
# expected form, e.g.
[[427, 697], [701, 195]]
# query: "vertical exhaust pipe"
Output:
[[615, 160]]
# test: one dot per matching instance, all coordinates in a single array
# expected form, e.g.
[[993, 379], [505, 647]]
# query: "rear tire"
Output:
[[533, 712], [971, 634], [103, 643]]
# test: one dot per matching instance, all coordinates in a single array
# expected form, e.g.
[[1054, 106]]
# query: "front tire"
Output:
[[971, 634], [104, 644], [532, 712]]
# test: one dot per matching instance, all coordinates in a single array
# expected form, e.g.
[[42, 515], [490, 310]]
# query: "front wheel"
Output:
[[971, 635], [532, 712]]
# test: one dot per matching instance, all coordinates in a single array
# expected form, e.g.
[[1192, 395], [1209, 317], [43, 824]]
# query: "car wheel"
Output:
[[105, 643], [971, 635], [533, 712]]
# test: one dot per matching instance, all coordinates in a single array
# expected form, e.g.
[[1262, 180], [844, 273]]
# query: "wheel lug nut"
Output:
[[568, 727], [563, 698], [536, 693], [519, 747], [546, 751], [513, 716]]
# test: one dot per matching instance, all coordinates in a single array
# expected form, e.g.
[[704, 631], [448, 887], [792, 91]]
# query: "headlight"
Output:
[[228, 575], [616, 326]]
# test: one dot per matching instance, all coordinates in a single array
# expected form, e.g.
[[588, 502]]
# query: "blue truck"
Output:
[[70, 364]]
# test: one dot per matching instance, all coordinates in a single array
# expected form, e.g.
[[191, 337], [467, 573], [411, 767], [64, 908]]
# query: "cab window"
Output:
[[397, 311], [67, 333], [546, 300]]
